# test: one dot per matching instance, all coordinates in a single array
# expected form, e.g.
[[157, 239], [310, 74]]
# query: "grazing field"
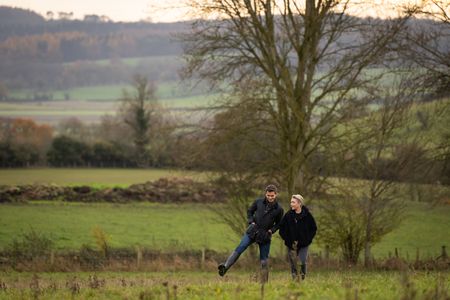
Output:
[[164, 90], [96, 177], [155, 226], [235, 285], [89, 104], [191, 227], [91, 111]]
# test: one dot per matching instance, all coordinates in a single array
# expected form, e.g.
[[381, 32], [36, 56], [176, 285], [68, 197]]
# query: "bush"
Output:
[[66, 151], [90, 257], [30, 245]]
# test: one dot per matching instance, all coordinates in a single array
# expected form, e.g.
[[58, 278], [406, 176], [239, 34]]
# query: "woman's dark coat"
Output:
[[298, 227]]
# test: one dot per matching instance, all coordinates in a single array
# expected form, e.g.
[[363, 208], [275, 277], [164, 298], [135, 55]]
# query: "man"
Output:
[[264, 217]]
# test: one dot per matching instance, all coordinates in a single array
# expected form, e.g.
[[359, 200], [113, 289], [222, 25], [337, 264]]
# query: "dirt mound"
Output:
[[164, 190]]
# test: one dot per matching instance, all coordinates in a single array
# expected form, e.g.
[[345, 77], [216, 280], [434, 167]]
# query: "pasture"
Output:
[[95, 177], [90, 111], [235, 285], [90, 103], [191, 227], [164, 90]]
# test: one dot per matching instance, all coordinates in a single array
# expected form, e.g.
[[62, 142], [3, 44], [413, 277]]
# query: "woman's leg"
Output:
[[292, 254], [303, 256]]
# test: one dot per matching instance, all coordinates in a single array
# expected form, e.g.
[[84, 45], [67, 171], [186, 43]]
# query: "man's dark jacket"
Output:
[[298, 227], [266, 216]]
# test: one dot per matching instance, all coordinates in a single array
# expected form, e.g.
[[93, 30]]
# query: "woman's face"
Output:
[[295, 204]]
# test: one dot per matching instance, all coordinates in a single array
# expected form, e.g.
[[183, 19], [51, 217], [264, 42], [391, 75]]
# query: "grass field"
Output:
[[190, 226], [90, 111], [96, 177], [236, 285], [165, 90], [135, 61]]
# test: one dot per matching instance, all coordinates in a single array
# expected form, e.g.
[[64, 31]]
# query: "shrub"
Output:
[[30, 245]]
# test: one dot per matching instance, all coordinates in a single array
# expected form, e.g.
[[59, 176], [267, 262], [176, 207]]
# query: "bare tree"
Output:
[[375, 203], [305, 60], [237, 147], [426, 45]]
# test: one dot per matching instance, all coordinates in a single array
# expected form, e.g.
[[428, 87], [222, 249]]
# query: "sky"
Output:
[[136, 10], [117, 10]]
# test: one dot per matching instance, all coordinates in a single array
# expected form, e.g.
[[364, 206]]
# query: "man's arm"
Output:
[[283, 227], [251, 211], [278, 218], [314, 226]]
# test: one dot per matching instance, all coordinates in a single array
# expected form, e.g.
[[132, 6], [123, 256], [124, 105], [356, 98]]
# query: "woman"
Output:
[[297, 229]]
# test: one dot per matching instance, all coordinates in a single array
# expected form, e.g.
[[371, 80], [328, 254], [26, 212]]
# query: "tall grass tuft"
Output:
[[101, 240]]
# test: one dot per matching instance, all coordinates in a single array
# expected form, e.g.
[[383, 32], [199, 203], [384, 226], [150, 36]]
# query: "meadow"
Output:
[[170, 227], [95, 177], [169, 90], [90, 103], [164, 226], [235, 285], [91, 111]]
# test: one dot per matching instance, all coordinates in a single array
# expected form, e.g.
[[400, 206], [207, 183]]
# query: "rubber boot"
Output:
[[264, 271], [303, 271], [224, 267]]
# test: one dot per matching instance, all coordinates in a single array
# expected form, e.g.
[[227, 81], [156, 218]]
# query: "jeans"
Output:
[[301, 254], [264, 249]]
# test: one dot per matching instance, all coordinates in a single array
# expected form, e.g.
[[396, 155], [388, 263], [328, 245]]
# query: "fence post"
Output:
[[327, 256], [417, 256], [52, 257], [202, 262], [138, 257]]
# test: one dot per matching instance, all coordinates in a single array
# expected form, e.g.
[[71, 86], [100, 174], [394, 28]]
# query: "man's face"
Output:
[[270, 196]]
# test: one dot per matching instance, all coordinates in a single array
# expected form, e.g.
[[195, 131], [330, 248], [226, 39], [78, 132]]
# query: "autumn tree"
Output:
[[25, 140]]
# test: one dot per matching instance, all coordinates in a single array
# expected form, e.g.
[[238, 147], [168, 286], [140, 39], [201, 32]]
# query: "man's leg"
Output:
[[303, 256], [224, 267], [264, 250]]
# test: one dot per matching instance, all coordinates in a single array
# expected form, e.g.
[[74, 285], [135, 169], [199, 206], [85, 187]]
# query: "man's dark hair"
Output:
[[271, 188]]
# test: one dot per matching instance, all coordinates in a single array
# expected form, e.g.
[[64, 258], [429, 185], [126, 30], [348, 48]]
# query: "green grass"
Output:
[[91, 111], [236, 285], [97, 177], [424, 228], [190, 226], [149, 225], [136, 61], [165, 90]]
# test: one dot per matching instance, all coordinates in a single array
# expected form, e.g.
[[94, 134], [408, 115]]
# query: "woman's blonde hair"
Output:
[[299, 198]]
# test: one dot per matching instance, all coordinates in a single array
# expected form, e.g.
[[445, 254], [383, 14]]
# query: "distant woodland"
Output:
[[57, 52], [38, 53]]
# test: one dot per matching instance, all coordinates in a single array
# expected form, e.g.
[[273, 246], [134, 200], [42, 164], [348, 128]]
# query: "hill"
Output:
[[15, 17], [35, 52]]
